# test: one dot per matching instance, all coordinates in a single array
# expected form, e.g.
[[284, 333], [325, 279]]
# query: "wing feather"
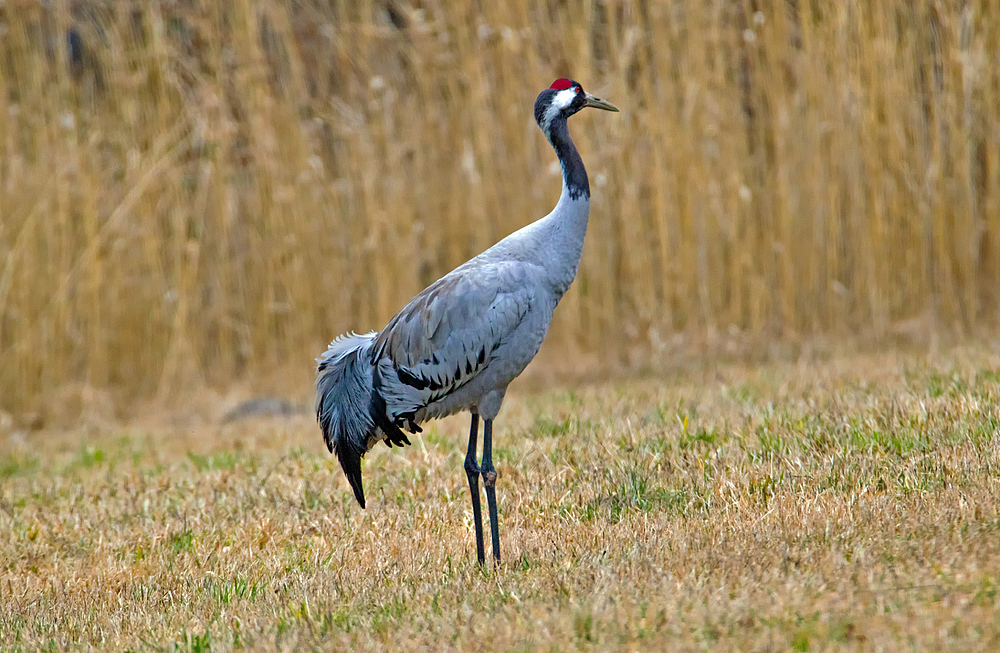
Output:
[[448, 333]]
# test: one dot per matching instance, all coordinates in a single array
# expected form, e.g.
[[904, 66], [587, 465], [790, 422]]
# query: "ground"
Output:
[[848, 503]]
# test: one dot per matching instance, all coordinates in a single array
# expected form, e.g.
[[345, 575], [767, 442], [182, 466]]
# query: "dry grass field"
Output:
[[846, 503]]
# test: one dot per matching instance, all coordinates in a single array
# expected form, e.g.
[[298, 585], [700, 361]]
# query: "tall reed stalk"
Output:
[[195, 192]]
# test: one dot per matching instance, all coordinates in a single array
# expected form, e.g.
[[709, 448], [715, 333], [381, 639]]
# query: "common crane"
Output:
[[459, 343]]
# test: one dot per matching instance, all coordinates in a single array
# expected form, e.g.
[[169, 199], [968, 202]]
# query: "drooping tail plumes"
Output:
[[343, 403]]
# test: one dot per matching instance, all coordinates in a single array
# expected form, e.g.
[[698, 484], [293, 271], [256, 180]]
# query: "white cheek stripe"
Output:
[[561, 100], [564, 97]]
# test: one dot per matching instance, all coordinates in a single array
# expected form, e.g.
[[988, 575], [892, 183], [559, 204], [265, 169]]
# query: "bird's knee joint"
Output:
[[471, 468], [490, 478]]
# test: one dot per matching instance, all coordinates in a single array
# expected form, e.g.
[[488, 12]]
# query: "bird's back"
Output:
[[477, 323]]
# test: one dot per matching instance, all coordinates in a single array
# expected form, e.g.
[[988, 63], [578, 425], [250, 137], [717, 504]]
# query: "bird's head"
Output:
[[564, 98]]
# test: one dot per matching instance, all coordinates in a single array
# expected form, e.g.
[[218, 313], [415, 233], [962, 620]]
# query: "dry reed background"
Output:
[[192, 192]]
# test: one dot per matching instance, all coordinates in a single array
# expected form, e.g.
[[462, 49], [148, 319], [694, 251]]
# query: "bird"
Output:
[[458, 344]]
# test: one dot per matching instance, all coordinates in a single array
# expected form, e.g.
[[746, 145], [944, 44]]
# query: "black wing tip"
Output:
[[359, 491], [394, 435], [350, 462]]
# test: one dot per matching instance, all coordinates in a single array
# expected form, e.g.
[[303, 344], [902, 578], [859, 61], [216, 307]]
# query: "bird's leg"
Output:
[[472, 471], [490, 481]]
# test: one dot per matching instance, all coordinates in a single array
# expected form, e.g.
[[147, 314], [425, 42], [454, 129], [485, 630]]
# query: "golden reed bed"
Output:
[[203, 192]]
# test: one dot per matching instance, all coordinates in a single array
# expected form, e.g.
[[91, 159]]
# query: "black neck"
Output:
[[574, 174]]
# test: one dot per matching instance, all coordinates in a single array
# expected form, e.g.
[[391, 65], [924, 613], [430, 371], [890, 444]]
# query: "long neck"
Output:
[[561, 233], [575, 182], [554, 242]]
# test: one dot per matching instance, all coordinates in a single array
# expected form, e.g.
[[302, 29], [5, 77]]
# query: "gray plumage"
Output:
[[458, 344]]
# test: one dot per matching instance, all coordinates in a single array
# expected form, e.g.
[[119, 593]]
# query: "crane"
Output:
[[458, 344]]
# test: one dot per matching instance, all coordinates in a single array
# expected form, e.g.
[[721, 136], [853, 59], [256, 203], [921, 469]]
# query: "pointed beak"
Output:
[[598, 103]]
